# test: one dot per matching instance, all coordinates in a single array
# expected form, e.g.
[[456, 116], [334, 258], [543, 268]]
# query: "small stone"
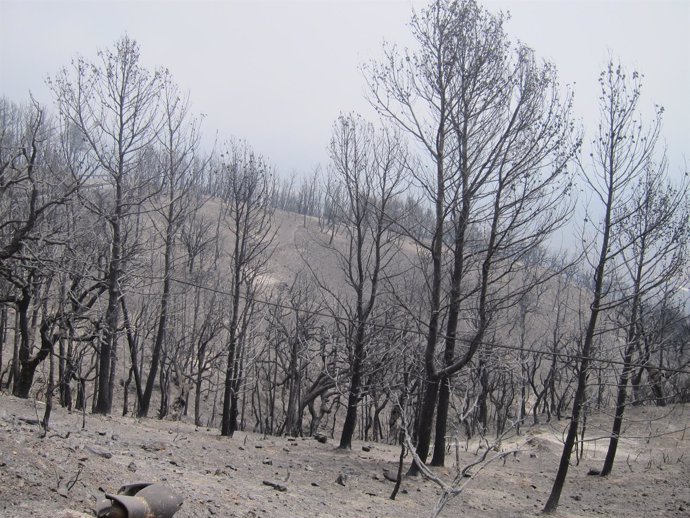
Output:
[[132, 467], [101, 452], [389, 476], [154, 446], [275, 485], [366, 448], [342, 479]]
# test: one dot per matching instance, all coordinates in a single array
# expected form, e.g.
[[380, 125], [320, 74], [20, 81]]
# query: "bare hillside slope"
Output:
[[65, 473]]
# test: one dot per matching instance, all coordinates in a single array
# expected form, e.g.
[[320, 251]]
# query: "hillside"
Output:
[[65, 473]]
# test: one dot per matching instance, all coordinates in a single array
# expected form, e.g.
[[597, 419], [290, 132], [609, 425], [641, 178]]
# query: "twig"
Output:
[[71, 483], [462, 478]]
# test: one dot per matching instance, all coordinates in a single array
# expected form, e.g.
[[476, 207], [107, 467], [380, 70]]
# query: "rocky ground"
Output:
[[68, 471]]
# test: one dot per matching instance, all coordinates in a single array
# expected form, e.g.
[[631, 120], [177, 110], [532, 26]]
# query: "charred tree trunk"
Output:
[[353, 398], [23, 373]]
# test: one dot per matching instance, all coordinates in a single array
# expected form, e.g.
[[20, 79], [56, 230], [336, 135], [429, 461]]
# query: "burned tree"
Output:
[[497, 139], [113, 105], [245, 188], [621, 231], [368, 168]]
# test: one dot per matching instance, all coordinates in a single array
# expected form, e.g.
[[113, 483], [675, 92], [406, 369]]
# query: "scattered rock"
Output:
[[594, 471], [366, 448], [392, 477], [321, 438], [132, 467], [101, 452], [268, 462], [275, 485], [342, 479], [154, 446]]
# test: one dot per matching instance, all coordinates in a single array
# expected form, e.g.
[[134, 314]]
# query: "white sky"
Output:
[[277, 73]]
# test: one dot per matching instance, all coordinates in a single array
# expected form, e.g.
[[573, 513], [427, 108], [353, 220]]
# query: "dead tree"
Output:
[[498, 140], [113, 105], [621, 153], [246, 190], [368, 167]]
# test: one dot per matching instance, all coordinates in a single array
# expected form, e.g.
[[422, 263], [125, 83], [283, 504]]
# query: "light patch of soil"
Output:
[[67, 472]]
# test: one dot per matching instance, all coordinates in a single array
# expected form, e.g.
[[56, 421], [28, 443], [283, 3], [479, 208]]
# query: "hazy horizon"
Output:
[[278, 73]]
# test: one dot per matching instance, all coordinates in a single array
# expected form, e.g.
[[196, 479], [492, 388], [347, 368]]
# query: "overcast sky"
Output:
[[277, 73]]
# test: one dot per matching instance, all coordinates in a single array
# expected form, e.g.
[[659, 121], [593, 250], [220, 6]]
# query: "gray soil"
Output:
[[65, 473]]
